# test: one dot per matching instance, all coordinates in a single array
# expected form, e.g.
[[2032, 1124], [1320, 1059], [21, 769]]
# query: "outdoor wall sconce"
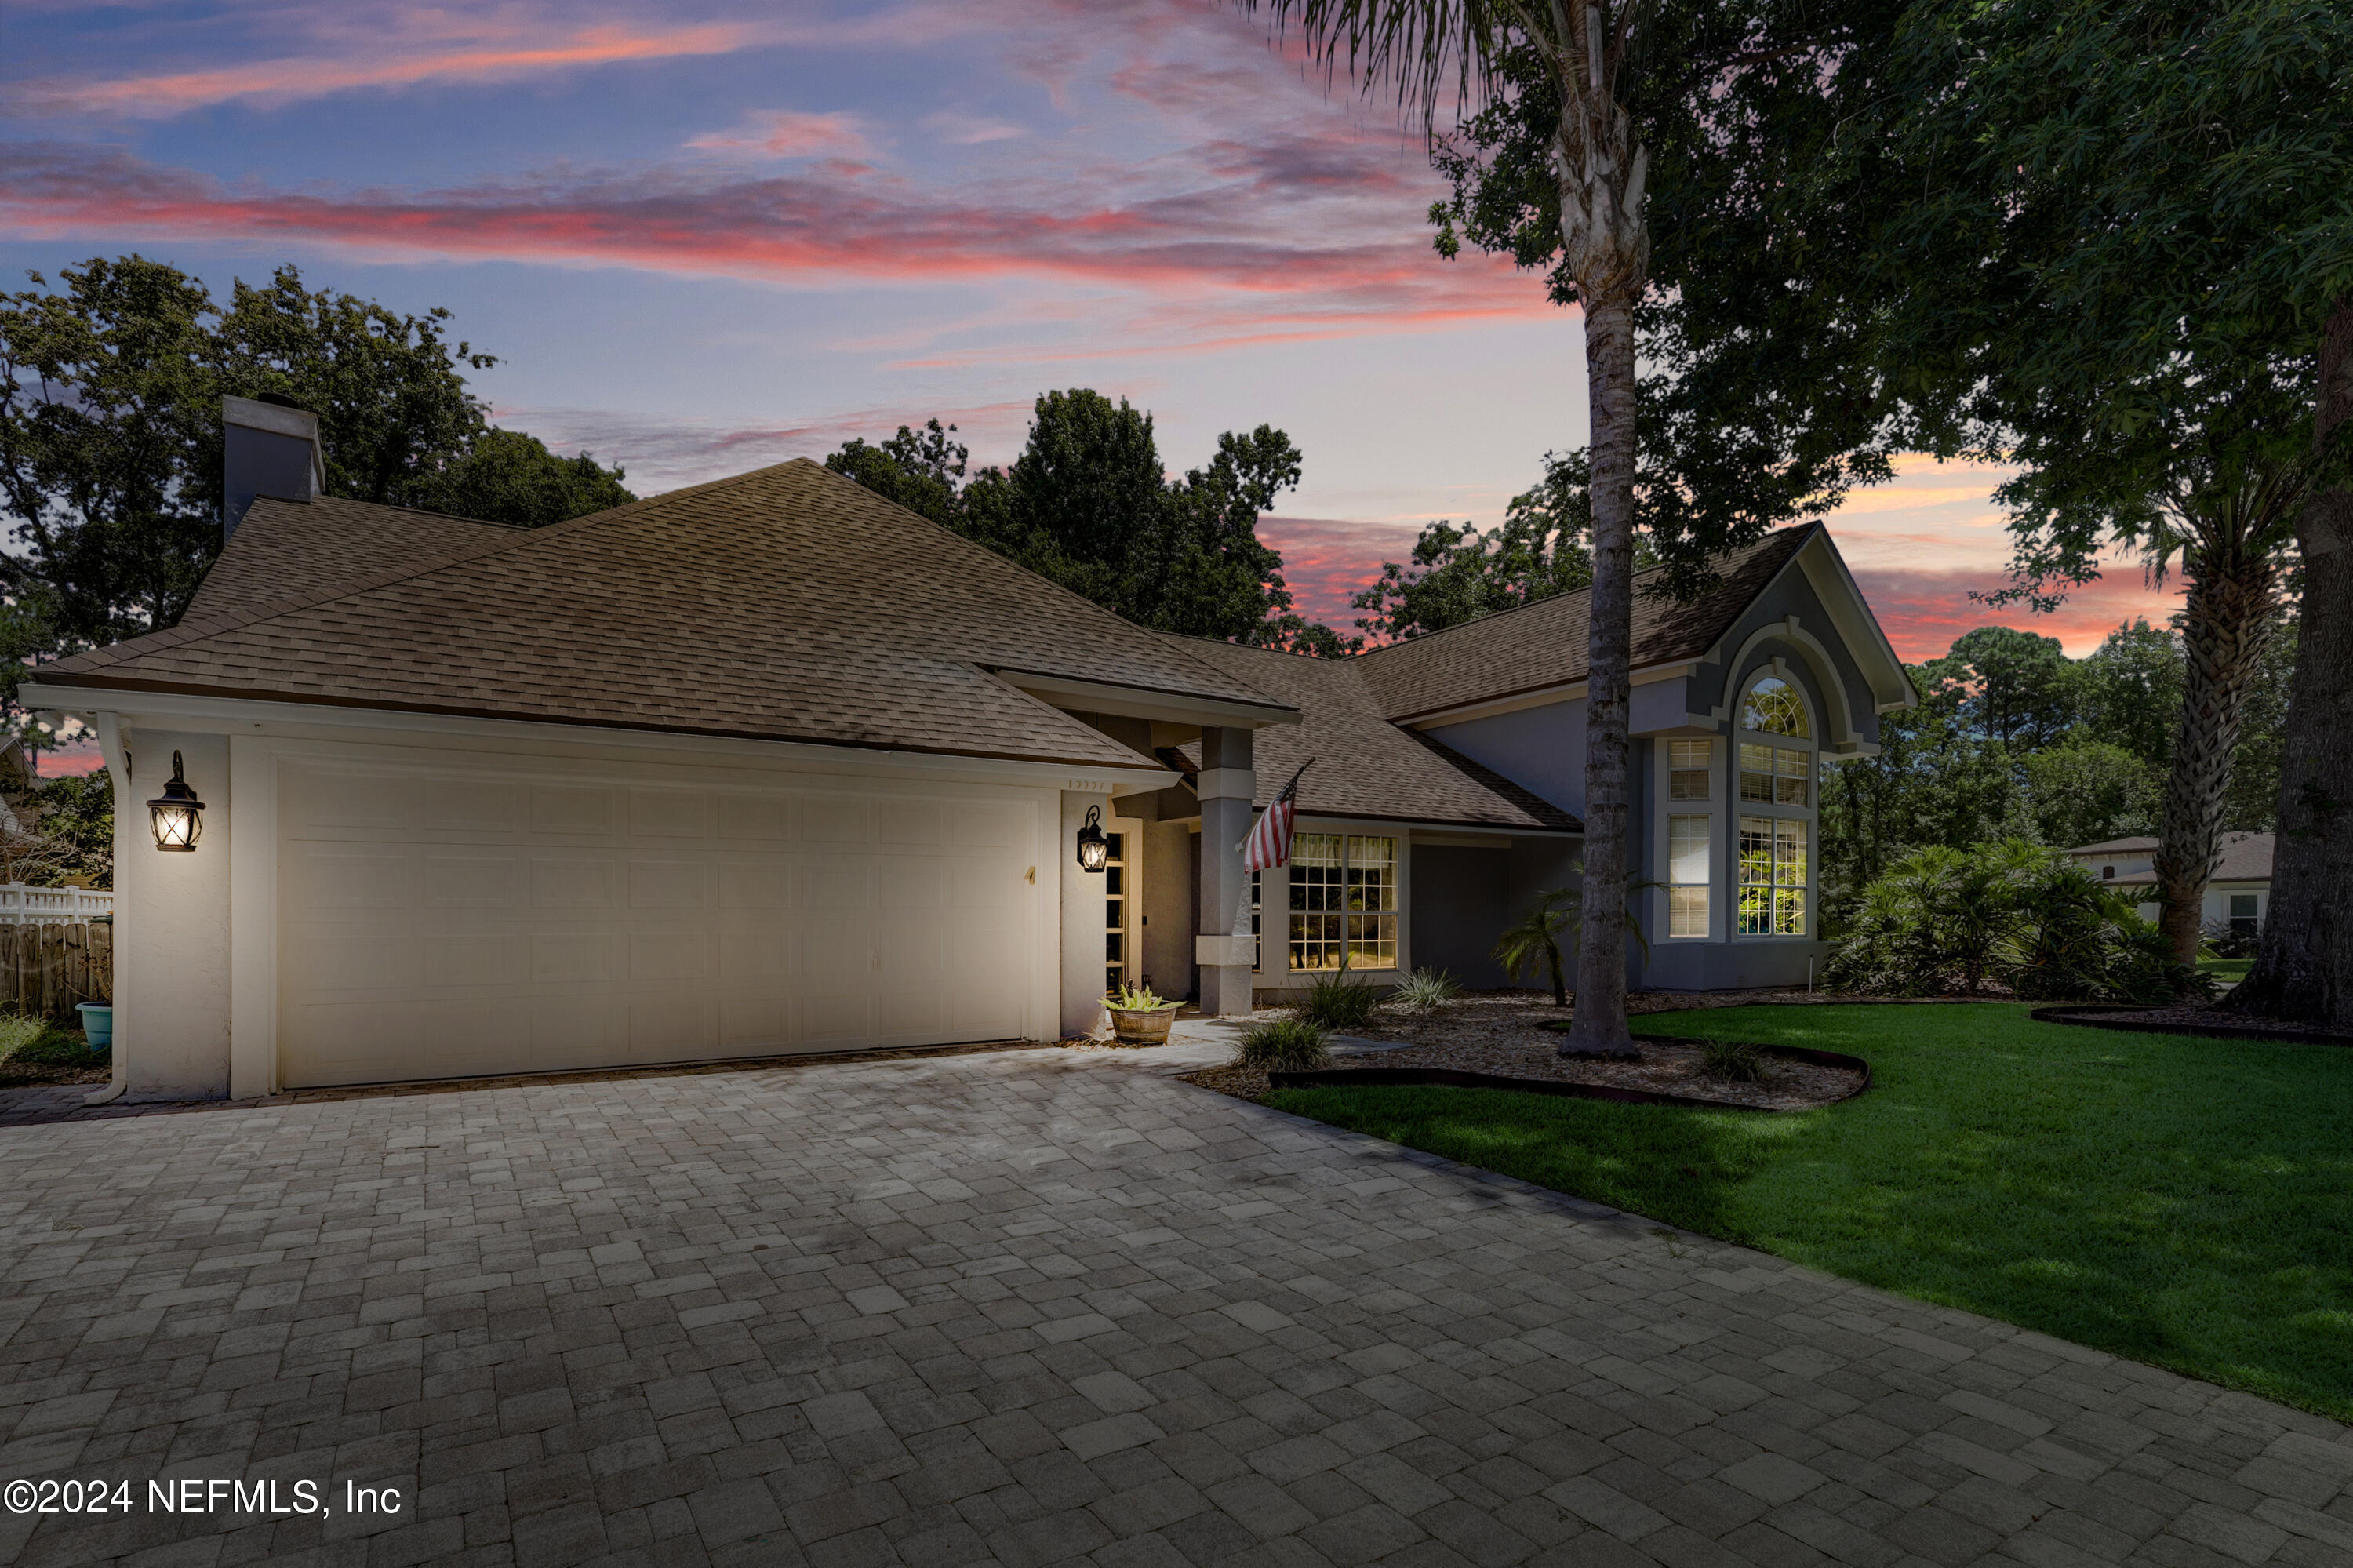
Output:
[[1093, 848], [177, 815]]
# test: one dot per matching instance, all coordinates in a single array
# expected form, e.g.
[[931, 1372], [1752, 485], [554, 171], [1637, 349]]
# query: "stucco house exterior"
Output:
[[770, 765], [2238, 895]]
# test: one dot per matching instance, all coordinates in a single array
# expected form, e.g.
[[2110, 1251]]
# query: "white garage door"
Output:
[[467, 918]]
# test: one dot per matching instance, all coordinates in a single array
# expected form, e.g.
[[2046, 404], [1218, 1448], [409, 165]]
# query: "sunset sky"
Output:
[[706, 237]]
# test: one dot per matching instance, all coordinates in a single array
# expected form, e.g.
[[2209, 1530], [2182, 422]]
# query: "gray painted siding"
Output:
[[1789, 594], [1463, 899], [1542, 750]]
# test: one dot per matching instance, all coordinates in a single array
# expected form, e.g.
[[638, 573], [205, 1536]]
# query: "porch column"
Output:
[[1223, 946]]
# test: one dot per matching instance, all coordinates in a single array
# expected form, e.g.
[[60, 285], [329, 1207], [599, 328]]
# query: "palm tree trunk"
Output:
[[1599, 1027], [2231, 597], [2304, 968]]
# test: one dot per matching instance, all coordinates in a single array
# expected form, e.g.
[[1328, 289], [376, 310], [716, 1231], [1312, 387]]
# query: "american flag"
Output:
[[1269, 842]]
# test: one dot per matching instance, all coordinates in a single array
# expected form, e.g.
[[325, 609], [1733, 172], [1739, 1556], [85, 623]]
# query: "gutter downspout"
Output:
[[113, 745]]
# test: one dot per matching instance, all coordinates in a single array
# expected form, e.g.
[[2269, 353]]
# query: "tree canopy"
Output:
[[111, 384], [1088, 504]]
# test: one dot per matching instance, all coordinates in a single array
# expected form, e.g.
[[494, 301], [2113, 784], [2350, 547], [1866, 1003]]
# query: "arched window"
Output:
[[1775, 707]]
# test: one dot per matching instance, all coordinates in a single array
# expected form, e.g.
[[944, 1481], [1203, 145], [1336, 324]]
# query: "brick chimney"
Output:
[[269, 445]]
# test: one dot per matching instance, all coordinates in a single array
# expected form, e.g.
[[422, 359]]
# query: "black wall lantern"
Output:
[[1093, 848], [177, 815]]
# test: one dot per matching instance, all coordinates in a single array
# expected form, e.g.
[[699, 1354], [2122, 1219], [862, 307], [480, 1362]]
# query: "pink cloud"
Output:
[[663, 454], [790, 133], [485, 56], [1270, 223], [1922, 610]]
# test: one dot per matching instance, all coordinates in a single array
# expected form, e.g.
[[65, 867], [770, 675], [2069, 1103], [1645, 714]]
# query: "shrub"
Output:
[[1284, 1045], [1426, 990], [1336, 1001], [1137, 999], [1946, 921], [35, 1041], [1733, 1061], [2221, 941]]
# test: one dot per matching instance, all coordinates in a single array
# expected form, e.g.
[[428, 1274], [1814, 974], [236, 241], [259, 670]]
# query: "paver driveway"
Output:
[[1028, 1308]]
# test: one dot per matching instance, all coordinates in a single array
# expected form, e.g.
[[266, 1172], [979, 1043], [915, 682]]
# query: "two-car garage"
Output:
[[447, 915]]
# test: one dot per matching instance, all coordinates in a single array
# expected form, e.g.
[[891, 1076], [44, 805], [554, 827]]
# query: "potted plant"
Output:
[[1139, 1016]]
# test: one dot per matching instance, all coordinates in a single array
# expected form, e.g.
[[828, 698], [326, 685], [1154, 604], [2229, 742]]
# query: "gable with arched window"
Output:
[[1775, 766]]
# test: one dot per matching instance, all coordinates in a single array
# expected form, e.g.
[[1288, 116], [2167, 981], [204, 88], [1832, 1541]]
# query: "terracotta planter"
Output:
[[1142, 1026]]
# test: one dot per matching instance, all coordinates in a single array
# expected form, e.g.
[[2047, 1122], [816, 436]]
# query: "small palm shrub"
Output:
[[1426, 990], [1532, 947], [1955, 922], [1137, 999], [1283, 1046], [1731, 1060], [1336, 1001]]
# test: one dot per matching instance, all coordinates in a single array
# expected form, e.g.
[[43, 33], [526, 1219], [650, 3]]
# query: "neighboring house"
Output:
[[2237, 898], [770, 765]]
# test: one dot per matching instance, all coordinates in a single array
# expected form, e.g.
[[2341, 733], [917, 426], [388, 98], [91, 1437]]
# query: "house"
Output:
[[2238, 895], [769, 765]]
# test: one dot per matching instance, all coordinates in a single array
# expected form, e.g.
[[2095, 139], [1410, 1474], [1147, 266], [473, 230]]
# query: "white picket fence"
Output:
[[23, 905]]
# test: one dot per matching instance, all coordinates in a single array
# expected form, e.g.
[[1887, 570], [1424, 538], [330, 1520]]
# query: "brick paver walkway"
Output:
[[1030, 1307]]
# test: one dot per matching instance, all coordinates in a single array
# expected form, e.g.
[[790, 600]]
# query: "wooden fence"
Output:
[[45, 969]]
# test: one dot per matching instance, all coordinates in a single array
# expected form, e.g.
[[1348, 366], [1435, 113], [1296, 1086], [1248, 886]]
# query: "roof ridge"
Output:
[[513, 538], [967, 542], [1770, 537], [392, 506]]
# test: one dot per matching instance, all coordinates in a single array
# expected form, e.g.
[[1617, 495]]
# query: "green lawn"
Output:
[[2183, 1201], [2227, 969]]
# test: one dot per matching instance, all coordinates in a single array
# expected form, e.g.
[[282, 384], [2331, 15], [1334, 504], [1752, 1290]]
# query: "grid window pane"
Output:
[[1773, 873], [1114, 911], [1316, 899], [1793, 776], [1687, 770], [1258, 919], [1687, 911], [1756, 772], [1343, 900], [1372, 903]]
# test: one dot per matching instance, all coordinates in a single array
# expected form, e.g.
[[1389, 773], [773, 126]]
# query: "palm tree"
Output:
[[1536, 941], [2232, 528], [1591, 51]]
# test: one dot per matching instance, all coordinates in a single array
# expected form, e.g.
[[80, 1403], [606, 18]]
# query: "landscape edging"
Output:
[[2073, 1014]]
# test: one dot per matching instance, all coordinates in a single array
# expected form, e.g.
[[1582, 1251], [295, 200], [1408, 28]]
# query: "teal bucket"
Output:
[[97, 1024]]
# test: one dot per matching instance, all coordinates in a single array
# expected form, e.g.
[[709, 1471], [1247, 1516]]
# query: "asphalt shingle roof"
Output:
[[289, 549], [2246, 857], [1365, 766], [1543, 644], [788, 603]]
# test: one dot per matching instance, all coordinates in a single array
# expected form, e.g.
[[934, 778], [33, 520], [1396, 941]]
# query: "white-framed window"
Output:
[[1344, 899], [1690, 840], [2245, 918], [1774, 764], [1688, 770], [1774, 876]]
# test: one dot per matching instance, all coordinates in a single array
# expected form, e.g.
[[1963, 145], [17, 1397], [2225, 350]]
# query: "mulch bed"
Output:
[[2212, 1022], [43, 1076], [1507, 1035]]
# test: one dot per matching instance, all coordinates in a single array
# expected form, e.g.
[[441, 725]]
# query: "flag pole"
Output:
[[1279, 794]]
